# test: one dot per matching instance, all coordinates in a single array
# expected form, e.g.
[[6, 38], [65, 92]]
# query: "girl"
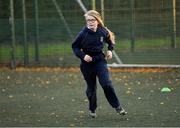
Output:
[[88, 46]]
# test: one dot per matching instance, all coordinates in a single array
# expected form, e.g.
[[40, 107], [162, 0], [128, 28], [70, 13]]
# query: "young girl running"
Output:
[[88, 46]]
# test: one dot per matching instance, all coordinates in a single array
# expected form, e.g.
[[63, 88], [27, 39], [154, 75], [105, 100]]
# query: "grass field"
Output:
[[155, 51], [54, 97]]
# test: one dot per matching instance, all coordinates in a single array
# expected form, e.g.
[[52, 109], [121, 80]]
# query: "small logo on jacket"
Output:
[[101, 38]]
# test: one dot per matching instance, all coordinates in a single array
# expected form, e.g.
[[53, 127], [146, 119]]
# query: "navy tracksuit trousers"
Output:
[[99, 69]]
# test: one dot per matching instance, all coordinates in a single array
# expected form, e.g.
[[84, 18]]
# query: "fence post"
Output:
[[26, 55], [102, 10], [132, 31], [94, 4], [36, 30], [13, 48], [173, 25]]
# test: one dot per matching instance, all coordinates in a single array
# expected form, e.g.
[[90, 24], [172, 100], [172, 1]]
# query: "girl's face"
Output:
[[92, 23]]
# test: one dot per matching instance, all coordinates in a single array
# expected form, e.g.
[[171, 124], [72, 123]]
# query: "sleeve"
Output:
[[76, 46]]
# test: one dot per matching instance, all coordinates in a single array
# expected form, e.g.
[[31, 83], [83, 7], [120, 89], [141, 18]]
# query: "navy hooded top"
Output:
[[91, 43]]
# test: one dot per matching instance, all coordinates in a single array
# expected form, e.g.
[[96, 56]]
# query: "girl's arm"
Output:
[[76, 46]]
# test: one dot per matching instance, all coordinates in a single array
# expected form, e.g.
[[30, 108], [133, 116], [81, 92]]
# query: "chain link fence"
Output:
[[40, 32]]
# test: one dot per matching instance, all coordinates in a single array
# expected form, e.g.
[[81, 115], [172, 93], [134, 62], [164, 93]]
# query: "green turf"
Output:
[[58, 99], [156, 51]]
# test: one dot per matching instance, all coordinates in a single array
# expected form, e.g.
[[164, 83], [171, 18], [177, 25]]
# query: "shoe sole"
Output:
[[93, 116], [123, 114]]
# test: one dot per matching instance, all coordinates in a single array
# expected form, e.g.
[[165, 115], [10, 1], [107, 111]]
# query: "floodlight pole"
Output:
[[13, 48]]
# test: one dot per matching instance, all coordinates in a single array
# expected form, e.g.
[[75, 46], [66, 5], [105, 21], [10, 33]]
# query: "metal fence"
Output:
[[40, 32]]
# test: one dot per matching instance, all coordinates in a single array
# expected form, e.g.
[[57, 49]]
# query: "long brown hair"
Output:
[[99, 19]]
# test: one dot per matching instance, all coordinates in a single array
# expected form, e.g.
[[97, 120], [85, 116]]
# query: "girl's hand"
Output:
[[87, 58], [109, 54]]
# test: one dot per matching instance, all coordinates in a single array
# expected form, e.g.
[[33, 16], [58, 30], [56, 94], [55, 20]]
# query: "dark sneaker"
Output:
[[121, 111], [92, 114]]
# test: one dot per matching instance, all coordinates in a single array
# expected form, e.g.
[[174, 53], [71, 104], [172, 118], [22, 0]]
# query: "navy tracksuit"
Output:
[[92, 43]]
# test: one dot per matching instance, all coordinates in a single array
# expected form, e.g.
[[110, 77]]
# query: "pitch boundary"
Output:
[[114, 65]]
